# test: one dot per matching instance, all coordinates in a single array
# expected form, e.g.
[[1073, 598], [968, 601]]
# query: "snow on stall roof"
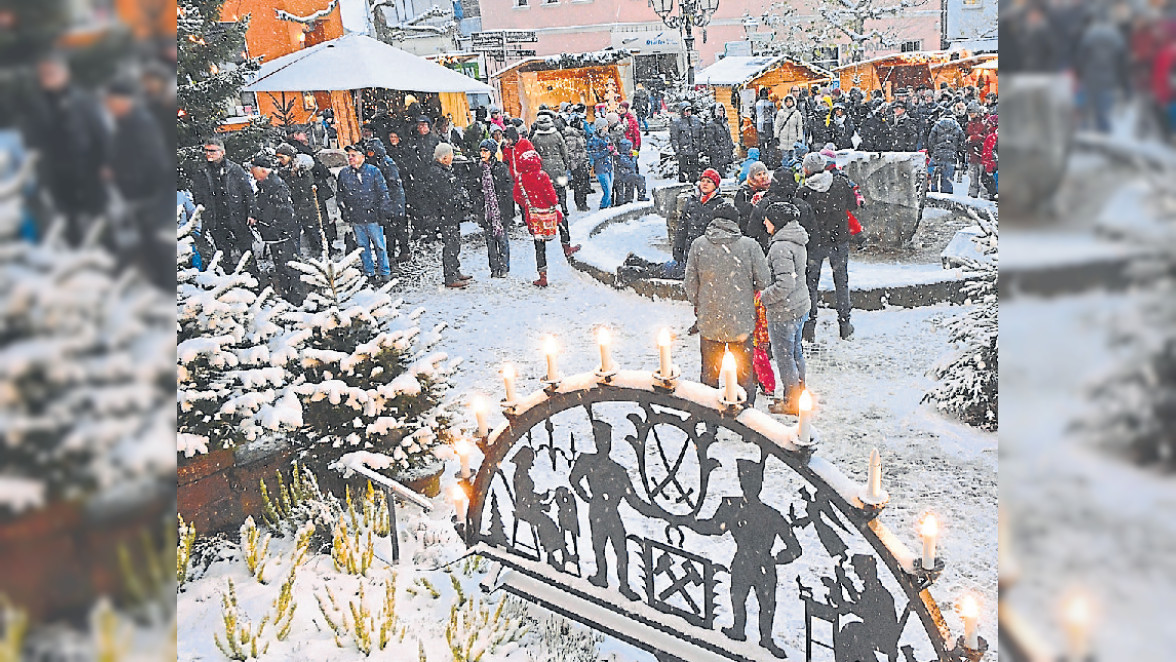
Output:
[[736, 69]]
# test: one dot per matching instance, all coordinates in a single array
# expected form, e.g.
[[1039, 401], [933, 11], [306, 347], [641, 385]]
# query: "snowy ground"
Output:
[[869, 394]]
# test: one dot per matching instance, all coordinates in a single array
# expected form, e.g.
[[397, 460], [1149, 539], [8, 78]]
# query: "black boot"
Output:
[[809, 333], [846, 330]]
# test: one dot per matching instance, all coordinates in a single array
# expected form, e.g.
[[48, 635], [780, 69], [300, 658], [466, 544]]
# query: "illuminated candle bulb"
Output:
[[804, 427], [663, 345], [550, 350], [730, 381], [460, 501], [874, 483], [1076, 618], [478, 404], [463, 450], [930, 533], [604, 339], [970, 612], [508, 379]]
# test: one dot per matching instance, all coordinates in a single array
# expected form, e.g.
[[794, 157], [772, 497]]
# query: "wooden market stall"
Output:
[[978, 70], [589, 79], [736, 80], [890, 72]]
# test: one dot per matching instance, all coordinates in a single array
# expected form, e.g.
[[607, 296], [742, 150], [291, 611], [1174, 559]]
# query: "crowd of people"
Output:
[[410, 182], [957, 128]]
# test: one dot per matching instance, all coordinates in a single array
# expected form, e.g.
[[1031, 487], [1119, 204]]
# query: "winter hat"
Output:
[[713, 175], [974, 108], [727, 211], [813, 163], [121, 87], [600, 124], [828, 153], [286, 149], [511, 134], [425, 119], [756, 168], [625, 104], [354, 148], [782, 213], [480, 114], [613, 119], [488, 144], [563, 106], [262, 161], [442, 150]]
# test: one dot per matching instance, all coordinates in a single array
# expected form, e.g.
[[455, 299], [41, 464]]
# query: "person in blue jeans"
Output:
[[364, 201], [786, 300], [600, 157]]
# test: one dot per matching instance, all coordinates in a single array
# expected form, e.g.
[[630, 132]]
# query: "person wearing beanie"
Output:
[[552, 149], [698, 212], [686, 139], [273, 217], [629, 181], [753, 156], [724, 270], [535, 195], [297, 170], [786, 300], [493, 206], [831, 198], [750, 192], [601, 154], [363, 202], [513, 146], [904, 130], [444, 202], [578, 164], [632, 126], [716, 140]]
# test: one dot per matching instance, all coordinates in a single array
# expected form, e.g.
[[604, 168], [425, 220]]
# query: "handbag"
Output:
[[855, 226], [543, 222]]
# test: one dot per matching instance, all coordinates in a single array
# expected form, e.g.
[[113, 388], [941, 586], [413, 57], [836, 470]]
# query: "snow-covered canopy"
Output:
[[354, 62], [738, 69]]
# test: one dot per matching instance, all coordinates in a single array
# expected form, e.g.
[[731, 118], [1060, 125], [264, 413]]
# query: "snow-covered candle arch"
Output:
[[648, 509]]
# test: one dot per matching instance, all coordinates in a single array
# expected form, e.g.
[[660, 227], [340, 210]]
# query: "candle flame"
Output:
[[478, 404], [969, 607], [462, 447], [549, 345], [508, 371], [603, 335], [806, 400], [1077, 612], [728, 361], [663, 340], [930, 526], [457, 494]]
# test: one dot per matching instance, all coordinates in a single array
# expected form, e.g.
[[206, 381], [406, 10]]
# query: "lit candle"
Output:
[[549, 348], [730, 381], [970, 612], [478, 404], [604, 338], [508, 377], [663, 345], [804, 427], [930, 532], [460, 501], [463, 450], [874, 484], [1077, 623]]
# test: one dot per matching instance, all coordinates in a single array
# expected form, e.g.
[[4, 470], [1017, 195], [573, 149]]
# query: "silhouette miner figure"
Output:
[[608, 486], [823, 517], [531, 507], [880, 627], [755, 527]]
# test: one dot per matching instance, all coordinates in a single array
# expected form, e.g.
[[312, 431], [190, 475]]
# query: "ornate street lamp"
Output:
[[690, 13]]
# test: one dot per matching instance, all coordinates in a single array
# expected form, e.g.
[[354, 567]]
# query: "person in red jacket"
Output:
[[632, 126], [1163, 88], [512, 147], [989, 158], [535, 195], [976, 131]]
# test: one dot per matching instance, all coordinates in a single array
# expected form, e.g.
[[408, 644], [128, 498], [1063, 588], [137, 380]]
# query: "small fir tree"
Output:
[[968, 379], [367, 382]]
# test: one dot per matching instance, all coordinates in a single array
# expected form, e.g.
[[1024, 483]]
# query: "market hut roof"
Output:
[[739, 69], [355, 62], [975, 61], [909, 59], [602, 58]]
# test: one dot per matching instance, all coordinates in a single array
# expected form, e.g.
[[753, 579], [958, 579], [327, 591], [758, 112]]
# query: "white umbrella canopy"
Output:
[[354, 62]]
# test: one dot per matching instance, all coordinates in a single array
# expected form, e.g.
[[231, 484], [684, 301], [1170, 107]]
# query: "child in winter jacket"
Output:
[[786, 300], [627, 177], [753, 156]]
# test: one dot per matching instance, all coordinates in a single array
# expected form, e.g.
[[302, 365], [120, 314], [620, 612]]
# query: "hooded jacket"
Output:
[[695, 218], [533, 185], [551, 148], [577, 146], [945, 140], [830, 197], [600, 153], [686, 135], [753, 155], [626, 162], [789, 124], [787, 298], [632, 129], [724, 270], [784, 188], [274, 209], [510, 154]]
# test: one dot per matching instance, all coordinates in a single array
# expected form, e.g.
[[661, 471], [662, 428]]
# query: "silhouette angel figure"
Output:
[[755, 527], [608, 485], [531, 507]]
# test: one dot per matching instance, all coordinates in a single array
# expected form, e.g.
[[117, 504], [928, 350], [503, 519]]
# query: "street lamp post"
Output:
[[690, 13]]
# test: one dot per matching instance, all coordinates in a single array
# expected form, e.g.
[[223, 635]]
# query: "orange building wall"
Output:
[[148, 18]]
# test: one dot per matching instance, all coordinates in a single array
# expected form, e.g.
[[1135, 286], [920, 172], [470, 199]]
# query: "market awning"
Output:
[[355, 62]]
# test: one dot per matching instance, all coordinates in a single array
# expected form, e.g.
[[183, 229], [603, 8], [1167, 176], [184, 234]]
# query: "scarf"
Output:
[[493, 214]]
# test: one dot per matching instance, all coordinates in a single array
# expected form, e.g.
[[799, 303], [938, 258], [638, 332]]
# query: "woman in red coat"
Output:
[[534, 192]]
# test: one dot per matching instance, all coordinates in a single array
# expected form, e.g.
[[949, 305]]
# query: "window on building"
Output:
[[551, 2], [521, 3], [826, 57], [973, 4], [912, 46]]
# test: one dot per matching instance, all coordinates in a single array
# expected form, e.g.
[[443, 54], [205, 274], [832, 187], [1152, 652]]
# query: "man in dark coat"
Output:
[[830, 197], [686, 138], [904, 130], [396, 230], [875, 129], [323, 181], [142, 172], [424, 145], [364, 202], [66, 126], [492, 203], [445, 202], [274, 219], [641, 107], [699, 211], [223, 188], [296, 170], [716, 140], [944, 142]]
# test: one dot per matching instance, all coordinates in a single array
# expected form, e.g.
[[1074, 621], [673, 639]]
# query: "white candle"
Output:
[[1077, 623], [970, 612], [804, 426], [478, 404], [874, 485], [666, 366], [460, 501], [549, 348], [604, 338], [463, 450], [930, 533], [730, 379], [508, 377]]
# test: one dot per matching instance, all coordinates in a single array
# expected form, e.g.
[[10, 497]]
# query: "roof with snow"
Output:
[[739, 69], [910, 58], [602, 58], [355, 62]]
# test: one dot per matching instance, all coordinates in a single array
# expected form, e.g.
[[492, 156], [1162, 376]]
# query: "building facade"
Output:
[[972, 24]]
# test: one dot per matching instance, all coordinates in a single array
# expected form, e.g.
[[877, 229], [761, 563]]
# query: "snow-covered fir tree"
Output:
[[968, 379], [368, 380], [232, 355], [84, 374], [858, 25]]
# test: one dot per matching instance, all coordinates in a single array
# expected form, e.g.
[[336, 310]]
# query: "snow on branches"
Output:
[[968, 377], [594, 59], [366, 380]]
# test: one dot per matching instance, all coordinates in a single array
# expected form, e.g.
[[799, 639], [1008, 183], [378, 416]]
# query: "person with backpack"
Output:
[[535, 194], [788, 127], [830, 197]]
